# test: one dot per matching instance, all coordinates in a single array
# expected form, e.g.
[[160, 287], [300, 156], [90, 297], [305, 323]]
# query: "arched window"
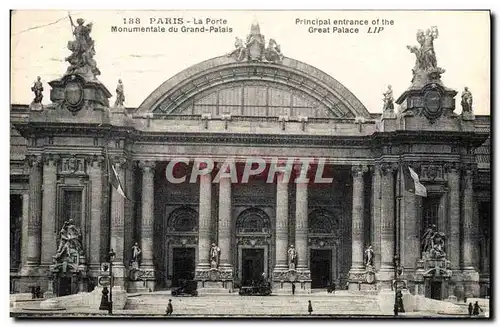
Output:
[[252, 220], [183, 220], [322, 222]]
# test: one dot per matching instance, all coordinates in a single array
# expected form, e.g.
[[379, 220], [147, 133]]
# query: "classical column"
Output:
[[468, 224], [225, 221], [387, 217], [205, 212], [35, 205], [357, 217], [117, 223], [96, 211], [301, 222], [49, 233], [281, 222], [148, 173], [376, 217], [453, 246]]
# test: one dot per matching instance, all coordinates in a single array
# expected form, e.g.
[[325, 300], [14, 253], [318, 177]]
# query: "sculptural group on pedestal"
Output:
[[82, 47], [69, 248], [433, 243], [426, 68], [254, 49]]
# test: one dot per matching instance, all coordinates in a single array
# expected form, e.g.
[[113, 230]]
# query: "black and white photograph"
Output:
[[176, 164]]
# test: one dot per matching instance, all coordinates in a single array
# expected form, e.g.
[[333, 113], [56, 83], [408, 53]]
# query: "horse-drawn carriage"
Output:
[[187, 287]]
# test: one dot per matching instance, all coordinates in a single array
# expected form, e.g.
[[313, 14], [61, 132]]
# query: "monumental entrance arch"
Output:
[[220, 230]]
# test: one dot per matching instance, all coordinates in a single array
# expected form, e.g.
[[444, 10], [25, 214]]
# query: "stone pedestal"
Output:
[[215, 281], [282, 281]]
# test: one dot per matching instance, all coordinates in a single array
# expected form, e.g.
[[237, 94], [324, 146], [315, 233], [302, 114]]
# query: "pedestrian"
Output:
[[170, 308], [476, 309], [310, 307], [470, 309], [293, 288]]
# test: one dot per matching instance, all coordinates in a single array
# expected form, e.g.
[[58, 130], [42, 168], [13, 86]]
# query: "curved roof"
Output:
[[222, 70]]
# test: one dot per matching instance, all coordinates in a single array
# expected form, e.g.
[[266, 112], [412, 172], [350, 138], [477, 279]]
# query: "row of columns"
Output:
[[42, 232]]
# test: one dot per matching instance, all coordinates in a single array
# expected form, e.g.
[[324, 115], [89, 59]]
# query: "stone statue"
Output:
[[369, 255], [120, 95], [427, 239], [255, 43], [69, 242], [81, 59], [214, 256], [426, 62], [388, 100], [438, 250], [428, 55], [240, 51], [37, 88], [136, 252], [466, 101], [273, 52], [292, 257]]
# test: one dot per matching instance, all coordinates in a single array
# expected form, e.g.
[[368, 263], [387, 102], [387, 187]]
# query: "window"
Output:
[[72, 206], [430, 212]]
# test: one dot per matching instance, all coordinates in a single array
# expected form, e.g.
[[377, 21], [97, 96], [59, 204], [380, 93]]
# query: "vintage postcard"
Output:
[[320, 164]]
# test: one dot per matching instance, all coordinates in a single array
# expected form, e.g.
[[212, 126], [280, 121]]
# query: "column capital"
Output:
[[227, 168], [34, 160], [50, 159], [452, 167], [147, 166], [359, 170], [119, 162], [95, 160], [388, 167]]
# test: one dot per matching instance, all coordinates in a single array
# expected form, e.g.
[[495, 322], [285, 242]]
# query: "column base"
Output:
[[470, 282], [384, 277]]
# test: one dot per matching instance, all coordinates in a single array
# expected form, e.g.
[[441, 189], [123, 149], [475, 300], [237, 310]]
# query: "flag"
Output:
[[412, 182], [114, 180]]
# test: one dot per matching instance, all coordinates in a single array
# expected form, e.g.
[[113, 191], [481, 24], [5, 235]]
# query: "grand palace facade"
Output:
[[252, 103]]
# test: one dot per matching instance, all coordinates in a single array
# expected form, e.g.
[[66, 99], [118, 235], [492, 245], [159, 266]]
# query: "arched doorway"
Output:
[[181, 242], [323, 246], [253, 235]]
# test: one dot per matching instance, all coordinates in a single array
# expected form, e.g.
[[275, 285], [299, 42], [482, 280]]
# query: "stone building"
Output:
[[250, 103]]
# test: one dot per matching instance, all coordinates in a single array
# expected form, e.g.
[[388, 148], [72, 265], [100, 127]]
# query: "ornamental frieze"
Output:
[[253, 241], [291, 276], [213, 275], [431, 173], [72, 166]]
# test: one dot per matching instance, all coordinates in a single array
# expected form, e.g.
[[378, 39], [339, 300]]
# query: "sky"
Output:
[[365, 63]]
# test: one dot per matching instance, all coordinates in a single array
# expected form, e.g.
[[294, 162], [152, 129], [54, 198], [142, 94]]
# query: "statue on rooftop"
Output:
[[37, 88], [82, 47], [120, 95], [466, 101]]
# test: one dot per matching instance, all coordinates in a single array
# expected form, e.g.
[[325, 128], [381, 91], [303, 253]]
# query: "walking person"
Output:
[[310, 308], [476, 309], [293, 288], [170, 308], [470, 309]]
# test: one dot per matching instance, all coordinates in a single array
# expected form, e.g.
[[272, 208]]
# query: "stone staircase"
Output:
[[341, 303]]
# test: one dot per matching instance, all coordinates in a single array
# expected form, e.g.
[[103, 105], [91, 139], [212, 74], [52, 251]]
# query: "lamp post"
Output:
[[111, 255]]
